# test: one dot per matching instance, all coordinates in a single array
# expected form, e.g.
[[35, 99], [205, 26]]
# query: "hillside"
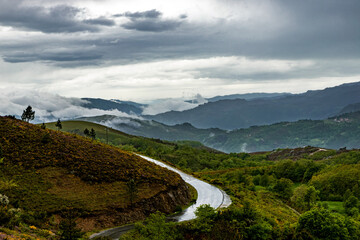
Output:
[[355, 107], [239, 113], [52, 172], [335, 132], [153, 129]]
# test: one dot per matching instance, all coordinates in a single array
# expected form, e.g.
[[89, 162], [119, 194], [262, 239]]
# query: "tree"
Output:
[[68, 228], [304, 197], [132, 190], [43, 126], [283, 188], [58, 124], [92, 133], [310, 196], [205, 217], [155, 227], [264, 180], [28, 114], [351, 206], [87, 132], [320, 223]]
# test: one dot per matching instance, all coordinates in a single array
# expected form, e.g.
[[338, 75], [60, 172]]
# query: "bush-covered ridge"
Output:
[[30, 146]]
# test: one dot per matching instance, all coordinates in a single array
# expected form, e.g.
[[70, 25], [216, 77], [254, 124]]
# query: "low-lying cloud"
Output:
[[166, 105], [48, 107]]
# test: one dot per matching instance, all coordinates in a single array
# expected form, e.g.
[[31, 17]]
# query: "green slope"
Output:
[[47, 171], [337, 132]]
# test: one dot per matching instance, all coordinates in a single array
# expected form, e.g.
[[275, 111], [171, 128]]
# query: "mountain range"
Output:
[[232, 114]]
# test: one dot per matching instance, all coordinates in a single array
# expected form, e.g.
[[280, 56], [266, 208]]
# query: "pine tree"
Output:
[[87, 132], [28, 114], [92, 134], [58, 124]]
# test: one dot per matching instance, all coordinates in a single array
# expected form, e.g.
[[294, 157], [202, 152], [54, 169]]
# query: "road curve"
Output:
[[207, 194]]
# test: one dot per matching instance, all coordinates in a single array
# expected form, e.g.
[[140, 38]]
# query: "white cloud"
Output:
[[48, 107], [175, 104], [114, 122]]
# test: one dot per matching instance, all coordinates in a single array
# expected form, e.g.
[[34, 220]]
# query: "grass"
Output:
[[259, 188], [334, 206], [70, 171], [102, 132]]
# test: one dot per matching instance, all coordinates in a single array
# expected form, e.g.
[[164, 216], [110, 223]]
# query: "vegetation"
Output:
[[28, 114], [336, 132], [46, 174], [303, 193], [58, 124]]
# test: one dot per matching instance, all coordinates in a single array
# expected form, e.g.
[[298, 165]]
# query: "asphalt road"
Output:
[[207, 194]]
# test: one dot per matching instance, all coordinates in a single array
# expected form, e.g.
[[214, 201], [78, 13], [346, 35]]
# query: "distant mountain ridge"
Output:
[[335, 132], [239, 113], [247, 96], [126, 107]]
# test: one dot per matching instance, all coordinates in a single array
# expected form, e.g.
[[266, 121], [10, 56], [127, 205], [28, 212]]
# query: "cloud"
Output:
[[114, 122], [58, 55], [100, 21], [310, 41], [48, 107], [150, 21], [56, 19], [166, 105], [146, 14]]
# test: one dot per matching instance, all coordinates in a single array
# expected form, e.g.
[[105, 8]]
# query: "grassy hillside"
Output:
[[189, 155], [45, 173]]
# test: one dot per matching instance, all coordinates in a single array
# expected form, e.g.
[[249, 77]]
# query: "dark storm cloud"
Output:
[[146, 14], [100, 21], [152, 26], [323, 29], [58, 19], [150, 21], [65, 56]]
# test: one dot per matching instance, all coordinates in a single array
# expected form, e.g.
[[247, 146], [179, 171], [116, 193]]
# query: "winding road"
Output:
[[207, 194]]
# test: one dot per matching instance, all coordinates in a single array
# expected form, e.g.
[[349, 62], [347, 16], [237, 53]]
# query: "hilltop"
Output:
[[52, 172]]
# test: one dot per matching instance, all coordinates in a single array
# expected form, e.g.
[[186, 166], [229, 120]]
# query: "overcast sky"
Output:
[[142, 50]]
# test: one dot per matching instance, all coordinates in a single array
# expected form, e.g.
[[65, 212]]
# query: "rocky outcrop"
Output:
[[164, 201]]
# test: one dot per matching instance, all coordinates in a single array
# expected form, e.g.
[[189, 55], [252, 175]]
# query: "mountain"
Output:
[[126, 107], [153, 129], [351, 108], [336, 132], [47, 171], [240, 113], [247, 96]]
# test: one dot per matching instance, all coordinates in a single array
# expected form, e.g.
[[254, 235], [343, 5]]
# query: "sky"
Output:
[[143, 50]]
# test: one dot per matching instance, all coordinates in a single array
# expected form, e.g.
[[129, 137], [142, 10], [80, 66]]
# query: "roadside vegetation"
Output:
[[302, 193], [50, 180], [287, 193]]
